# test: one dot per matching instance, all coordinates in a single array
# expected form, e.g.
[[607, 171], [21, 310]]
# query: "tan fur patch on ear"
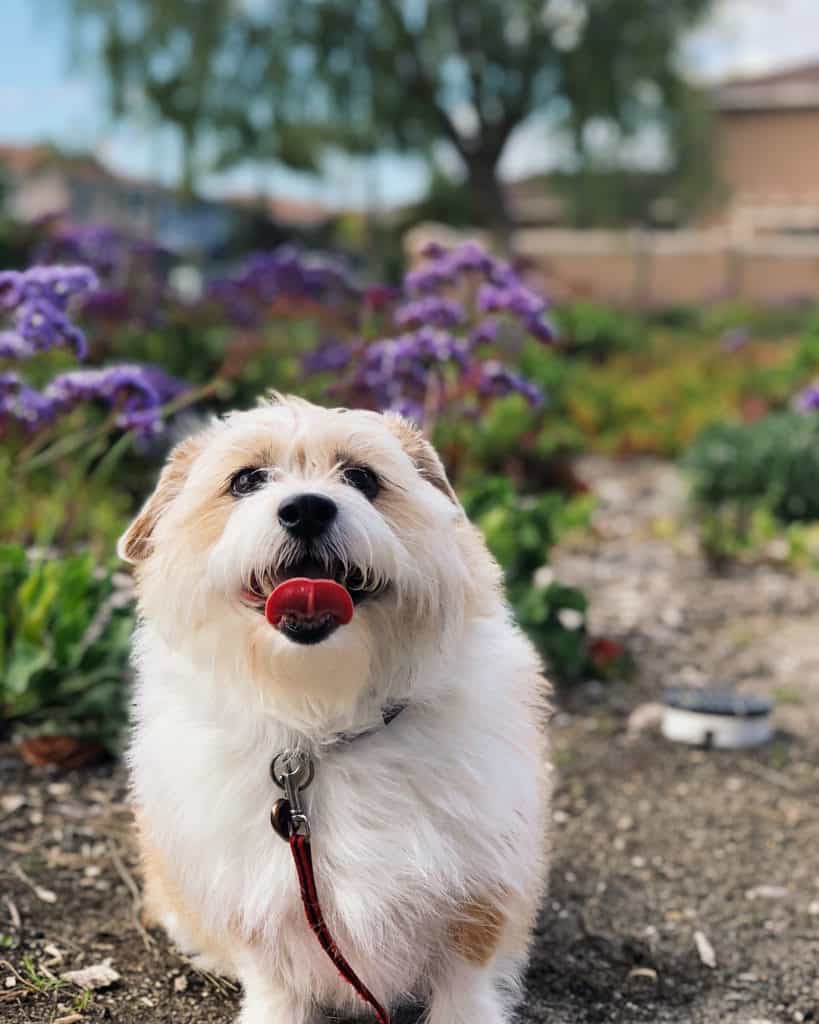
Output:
[[135, 544], [426, 459], [477, 931]]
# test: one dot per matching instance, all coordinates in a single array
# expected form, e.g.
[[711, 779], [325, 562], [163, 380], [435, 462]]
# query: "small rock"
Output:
[[11, 802], [10, 981], [97, 976], [767, 892], [45, 895], [813, 908], [180, 984], [705, 949]]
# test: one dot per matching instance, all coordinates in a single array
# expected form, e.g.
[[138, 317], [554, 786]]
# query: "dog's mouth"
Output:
[[309, 600]]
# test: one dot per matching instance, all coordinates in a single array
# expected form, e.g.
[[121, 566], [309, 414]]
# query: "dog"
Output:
[[308, 581]]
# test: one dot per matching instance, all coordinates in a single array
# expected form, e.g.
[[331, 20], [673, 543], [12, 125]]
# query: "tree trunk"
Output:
[[188, 182], [488, 199]]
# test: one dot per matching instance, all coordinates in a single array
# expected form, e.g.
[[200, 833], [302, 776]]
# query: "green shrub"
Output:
[[64, 635], [597, 332], [520, 531], [773, 463]]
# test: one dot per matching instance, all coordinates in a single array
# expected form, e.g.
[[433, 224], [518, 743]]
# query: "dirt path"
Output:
[[654, 844]]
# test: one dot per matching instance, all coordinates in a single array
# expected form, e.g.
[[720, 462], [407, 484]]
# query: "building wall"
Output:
[[769, 154]]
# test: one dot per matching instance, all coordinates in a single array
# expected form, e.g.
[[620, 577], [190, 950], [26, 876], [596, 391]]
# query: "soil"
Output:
[[685, 883]]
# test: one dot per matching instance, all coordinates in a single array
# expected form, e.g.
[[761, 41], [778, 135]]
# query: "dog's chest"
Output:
[[389, 845]]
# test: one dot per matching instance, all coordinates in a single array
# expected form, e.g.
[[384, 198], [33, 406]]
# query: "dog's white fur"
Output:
[[429, 835]]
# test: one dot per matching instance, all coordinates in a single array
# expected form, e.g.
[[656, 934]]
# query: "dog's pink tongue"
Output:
[[302, 596]]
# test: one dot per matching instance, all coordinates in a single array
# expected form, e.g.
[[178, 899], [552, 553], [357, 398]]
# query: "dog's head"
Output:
[[290, 490]]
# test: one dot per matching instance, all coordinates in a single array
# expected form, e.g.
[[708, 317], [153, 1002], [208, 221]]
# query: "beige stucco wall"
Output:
[[768, 154]]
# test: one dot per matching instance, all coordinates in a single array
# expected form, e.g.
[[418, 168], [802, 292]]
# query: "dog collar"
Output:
[[389, 712]]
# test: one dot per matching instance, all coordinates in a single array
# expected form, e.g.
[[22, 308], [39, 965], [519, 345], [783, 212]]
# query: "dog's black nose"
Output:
[[307, 515]]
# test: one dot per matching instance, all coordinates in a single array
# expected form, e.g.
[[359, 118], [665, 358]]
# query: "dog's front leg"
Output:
[[467, 994], [267, 1001]]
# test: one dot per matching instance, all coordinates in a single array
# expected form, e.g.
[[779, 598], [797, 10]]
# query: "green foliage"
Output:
[[64, 635], [592, 331], [520, 532], [772, 463]]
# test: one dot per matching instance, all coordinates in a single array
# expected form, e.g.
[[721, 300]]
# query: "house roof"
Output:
[[790, 88]]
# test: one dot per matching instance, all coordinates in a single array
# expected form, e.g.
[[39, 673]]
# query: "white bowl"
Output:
[[716, 718]]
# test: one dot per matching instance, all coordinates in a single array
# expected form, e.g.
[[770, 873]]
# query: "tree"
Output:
[[414, 74], [208, 68], [282, 80]]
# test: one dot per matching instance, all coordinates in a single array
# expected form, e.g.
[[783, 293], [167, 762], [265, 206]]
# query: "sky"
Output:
[[45, 95]]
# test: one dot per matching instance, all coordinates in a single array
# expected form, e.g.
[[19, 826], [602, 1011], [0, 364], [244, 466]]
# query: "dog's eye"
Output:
[[247, 480], [363, 479]]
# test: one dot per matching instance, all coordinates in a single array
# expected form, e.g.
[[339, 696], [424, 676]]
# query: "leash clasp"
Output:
[[292, 771]]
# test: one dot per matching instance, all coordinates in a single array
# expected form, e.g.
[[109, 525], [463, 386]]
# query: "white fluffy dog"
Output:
[[429, 828]]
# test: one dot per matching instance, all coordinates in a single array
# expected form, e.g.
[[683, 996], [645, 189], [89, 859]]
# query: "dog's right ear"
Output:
[[135, 545]]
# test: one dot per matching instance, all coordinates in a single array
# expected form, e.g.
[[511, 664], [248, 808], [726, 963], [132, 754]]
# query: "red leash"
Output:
[[293, 771], [303, 858]]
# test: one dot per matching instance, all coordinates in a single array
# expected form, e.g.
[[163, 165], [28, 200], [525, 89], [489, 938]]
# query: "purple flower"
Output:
[[109, 251], [498, 380], [44, 326], [22, 403], [137, 392], [331, 356], [37, 300], [522, 302], [734, 339], [446, 266], [485, 333], [429, 310], [283, 273], [808, 399]]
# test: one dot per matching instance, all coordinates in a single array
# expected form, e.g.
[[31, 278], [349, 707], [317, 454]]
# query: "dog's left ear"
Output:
[[136, 543], [426, 459]]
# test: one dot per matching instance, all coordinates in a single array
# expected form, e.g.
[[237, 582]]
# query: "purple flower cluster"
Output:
[[110, 252], [429, 310], [443, 354], [397, 373], [329, 357], [36, 301], [444, 267], [515, 298], [498, 380], [284, 273], [22, 403], [808, 399], [136, 392], [502, 289]]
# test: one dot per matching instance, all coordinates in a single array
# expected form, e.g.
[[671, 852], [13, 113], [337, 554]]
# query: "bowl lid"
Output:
[[717, 701]]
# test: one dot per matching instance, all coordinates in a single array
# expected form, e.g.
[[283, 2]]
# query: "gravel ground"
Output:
[[685, 885]]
